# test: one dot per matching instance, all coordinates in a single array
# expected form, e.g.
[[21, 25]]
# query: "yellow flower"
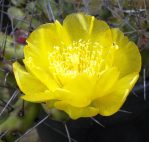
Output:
[[81, 66]]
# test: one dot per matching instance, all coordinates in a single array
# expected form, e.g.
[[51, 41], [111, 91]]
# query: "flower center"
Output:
[[80, 57]]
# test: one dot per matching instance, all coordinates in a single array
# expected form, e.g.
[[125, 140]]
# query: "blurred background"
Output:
[[20, 17]]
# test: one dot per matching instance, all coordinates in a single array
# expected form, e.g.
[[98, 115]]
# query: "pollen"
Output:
[[79, 57]]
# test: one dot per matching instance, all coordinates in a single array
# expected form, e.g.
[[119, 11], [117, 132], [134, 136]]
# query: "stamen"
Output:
[[79, 57]]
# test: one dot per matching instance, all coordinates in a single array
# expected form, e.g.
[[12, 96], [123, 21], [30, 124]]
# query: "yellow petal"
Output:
[[127, 58], [39, 60], [46, 36], [106, 82], [83, 26], [27, 82], [78, 91], [38, 97], [40, 73], [75, 112], [33, 89], [111, 103], [119, 38]]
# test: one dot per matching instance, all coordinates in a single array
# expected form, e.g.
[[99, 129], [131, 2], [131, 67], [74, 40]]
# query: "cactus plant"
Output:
[[24, 16]]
